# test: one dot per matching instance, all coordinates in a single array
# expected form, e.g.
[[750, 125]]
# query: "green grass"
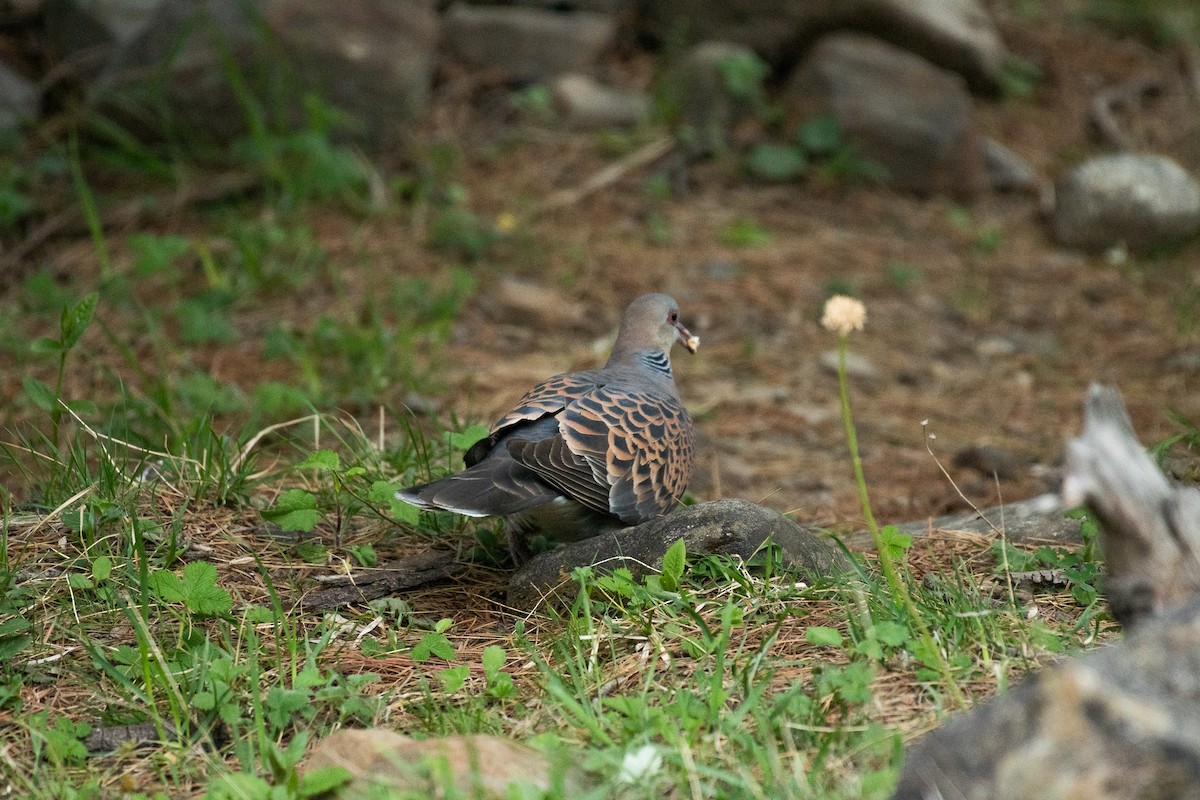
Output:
[[213, 419], [713, 679]]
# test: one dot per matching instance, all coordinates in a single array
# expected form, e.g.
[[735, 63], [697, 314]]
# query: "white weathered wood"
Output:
[[1150, 526]]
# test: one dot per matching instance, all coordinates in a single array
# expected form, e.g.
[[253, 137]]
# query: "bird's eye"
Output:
[[672, 316]]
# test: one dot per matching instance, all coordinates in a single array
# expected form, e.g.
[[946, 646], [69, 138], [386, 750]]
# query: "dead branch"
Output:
[[1151, 528], [395, 576]]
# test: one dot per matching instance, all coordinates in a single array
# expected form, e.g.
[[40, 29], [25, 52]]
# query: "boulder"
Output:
[[699, 97], [729, 527], [1142, 201], [526, 44], [384, 763], [74, 26], [583, 103], [193, 66], [900, 111], [958, 35], [370, 58]]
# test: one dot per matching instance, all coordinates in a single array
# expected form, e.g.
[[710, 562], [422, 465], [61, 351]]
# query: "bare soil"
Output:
[[766, 406]]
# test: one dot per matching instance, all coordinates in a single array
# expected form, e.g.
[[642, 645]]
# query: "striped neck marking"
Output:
[[656, 360]]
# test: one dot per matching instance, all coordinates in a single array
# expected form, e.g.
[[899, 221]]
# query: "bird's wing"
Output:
[[548, 398], [619, 450]]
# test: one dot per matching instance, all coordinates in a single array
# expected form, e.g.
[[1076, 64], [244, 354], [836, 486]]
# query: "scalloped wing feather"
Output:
[[548, 398], [620, 451]]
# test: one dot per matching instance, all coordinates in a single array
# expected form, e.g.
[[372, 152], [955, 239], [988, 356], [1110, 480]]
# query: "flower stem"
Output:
[[898, 585]]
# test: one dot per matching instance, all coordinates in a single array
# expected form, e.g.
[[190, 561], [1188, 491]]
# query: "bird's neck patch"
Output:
[[655, 360]]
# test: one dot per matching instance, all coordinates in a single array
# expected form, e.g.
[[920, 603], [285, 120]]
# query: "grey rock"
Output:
[[382, 763], [77, 25], [371, 58], [1118, 723], [698, 94], [732, 527], [526, 44], [769, 27], [988, 461], [958, 35], [903, 113], [20, 101], [1006, 171], [174, 63], [1139, 200], [583, 103]]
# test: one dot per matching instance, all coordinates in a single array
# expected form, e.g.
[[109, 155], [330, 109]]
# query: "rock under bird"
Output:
[[585, 452]]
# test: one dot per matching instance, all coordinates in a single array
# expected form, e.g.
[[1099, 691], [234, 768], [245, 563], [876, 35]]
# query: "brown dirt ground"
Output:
[[766, 408]]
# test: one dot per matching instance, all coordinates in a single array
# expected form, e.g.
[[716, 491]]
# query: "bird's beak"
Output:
[[686, 338]]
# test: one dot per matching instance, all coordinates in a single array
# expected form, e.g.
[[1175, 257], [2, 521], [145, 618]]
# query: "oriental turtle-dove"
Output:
[[584, 452]]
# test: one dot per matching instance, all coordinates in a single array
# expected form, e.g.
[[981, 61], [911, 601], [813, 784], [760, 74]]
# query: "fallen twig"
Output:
[[606, 177]]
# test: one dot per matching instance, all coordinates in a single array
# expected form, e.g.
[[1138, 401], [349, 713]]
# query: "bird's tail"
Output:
[[493, 487]]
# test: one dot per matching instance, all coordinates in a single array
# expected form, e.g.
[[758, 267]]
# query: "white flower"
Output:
[[639, 765], [844, 314]]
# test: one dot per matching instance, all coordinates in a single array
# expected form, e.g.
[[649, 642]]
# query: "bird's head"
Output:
[[652, 322]]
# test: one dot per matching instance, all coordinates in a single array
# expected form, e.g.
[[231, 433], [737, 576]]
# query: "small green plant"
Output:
[[73, 323], [744, 232], [204, 318], [42, 293], [16, 632], [15, 201], [743, 74], [305, 164], [776, 162], [534, 103], [196, 589], [435, 643], [59, 743], [985, 239], [818, 141], [456, 229], [158, 255], [902, 275], [820, 136], [1018, 77], [288, 783]]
